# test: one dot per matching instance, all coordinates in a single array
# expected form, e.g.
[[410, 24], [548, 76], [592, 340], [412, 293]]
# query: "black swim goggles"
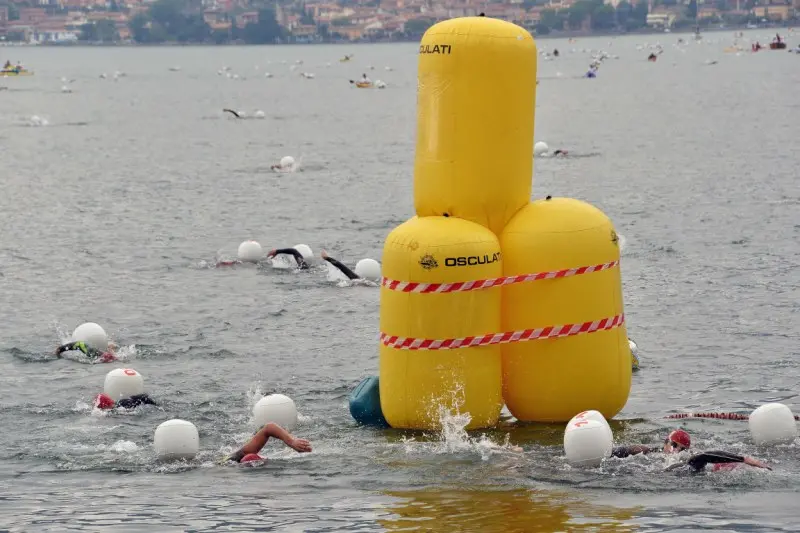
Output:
[[674, 444]]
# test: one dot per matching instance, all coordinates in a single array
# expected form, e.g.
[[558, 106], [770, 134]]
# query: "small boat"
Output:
[[777, 43], [14, 71]]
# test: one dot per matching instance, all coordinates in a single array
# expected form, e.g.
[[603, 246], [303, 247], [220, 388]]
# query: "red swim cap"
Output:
[[679, 436], [103, 401], [251, 457]]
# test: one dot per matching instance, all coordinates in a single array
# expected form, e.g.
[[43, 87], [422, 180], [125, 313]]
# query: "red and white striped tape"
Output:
[[549, 332], [462, 286], [720, 416]]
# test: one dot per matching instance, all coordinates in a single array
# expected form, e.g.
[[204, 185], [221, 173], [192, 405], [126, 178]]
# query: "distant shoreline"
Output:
[[550, 36]]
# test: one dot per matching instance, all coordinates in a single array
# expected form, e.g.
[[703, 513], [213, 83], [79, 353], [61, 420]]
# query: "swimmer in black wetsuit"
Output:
[[561, 153], [95, 355], [301, 262], [679, 441], [104, 401], [249, 452], [342, 268]]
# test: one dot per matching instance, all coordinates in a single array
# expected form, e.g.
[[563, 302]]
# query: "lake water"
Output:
[[115, 210]]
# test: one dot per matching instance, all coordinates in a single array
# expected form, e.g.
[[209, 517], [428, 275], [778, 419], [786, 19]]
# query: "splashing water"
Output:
[[335, 275], [125, 353], [343, 283], [283, 262], [123, 446], [452, 436], [253, 394], [37, 121], [291, 168]]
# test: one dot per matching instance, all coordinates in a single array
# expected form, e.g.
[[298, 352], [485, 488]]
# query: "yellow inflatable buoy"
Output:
[[415, 384], [486, 296], [550, 380], [475, 102]]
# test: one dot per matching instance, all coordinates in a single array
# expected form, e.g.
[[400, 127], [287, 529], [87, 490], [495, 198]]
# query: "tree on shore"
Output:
[[169, 21], [597, 14], [265, 31], [416, 27], [102, 31], [691, 10]]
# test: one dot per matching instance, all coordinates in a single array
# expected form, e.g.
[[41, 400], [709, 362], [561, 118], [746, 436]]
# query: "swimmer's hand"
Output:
[[323, 254], [674, 466], [755, 462], [272, 253], [299, 445]]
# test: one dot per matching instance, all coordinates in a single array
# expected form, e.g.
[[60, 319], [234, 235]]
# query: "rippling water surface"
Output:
[[114, 210]]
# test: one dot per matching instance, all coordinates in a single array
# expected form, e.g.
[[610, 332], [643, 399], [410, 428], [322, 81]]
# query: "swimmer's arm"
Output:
[[626, 451], [273, 430], [699, 462], [136, 401], [343, 268], [70, 346], [145, 399], [301, 262]]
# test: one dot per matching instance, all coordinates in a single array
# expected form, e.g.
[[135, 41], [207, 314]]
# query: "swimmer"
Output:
[[249, 452], [342, 268], [104, 401], [232, 112], [95, 355], [679, 441], [560, 153], [286, 164], [301, 262]]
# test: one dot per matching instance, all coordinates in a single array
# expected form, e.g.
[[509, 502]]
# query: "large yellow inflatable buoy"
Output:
[[486, 296], [475, 103], [552, 379], [417, 384]]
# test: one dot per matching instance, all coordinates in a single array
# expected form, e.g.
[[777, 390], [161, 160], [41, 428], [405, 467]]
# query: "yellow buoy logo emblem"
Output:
[[428, 262]]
